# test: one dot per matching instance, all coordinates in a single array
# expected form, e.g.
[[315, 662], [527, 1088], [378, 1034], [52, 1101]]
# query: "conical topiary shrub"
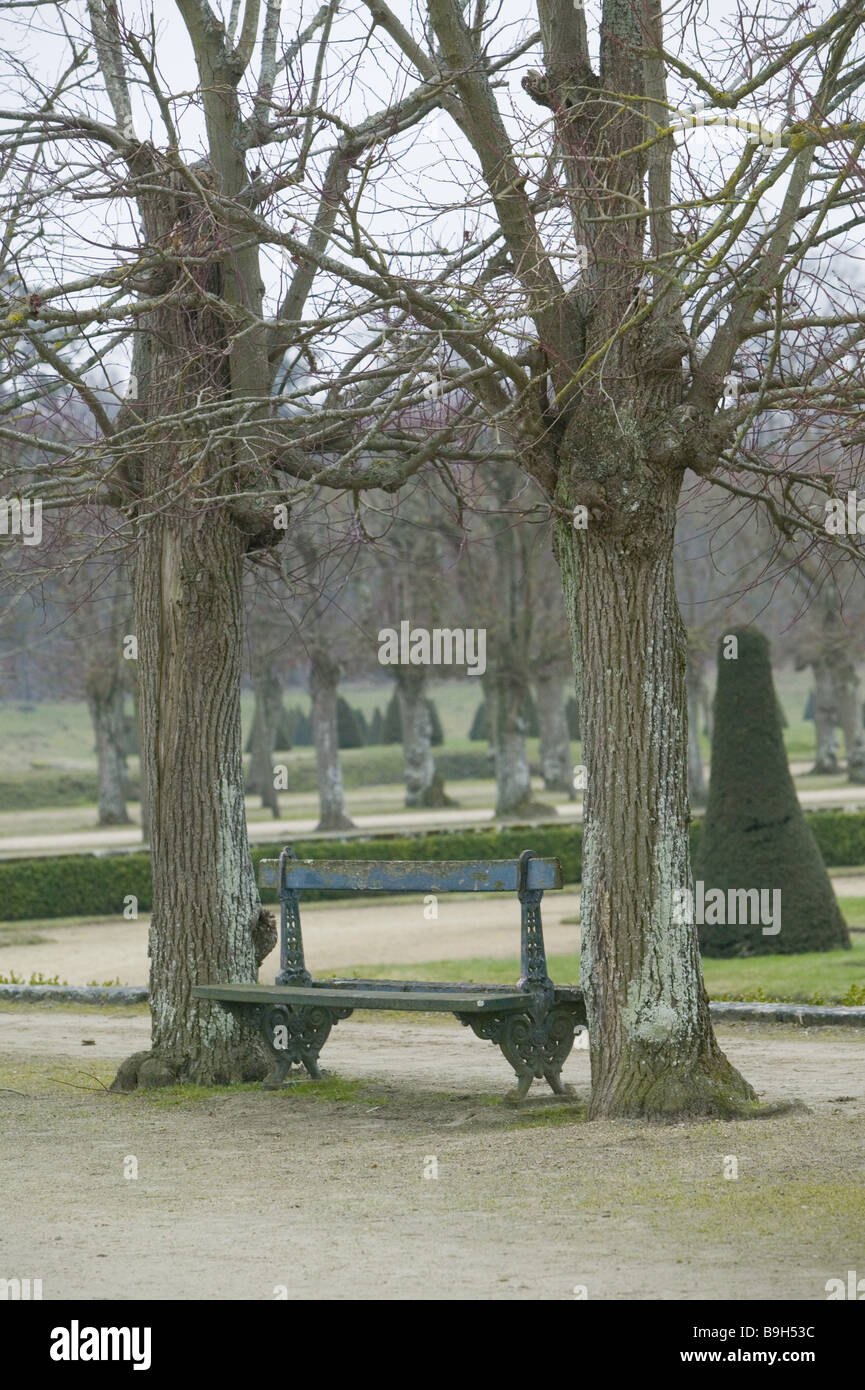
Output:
[[755, 840]]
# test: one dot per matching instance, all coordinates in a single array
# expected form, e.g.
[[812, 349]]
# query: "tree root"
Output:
[[146, 1071]]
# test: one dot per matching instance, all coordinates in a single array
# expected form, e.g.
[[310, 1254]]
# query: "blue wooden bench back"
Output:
[[396, 876]]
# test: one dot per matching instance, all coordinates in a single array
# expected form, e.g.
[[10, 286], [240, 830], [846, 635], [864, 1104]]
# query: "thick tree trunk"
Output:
[[423, 783], [825, 718], [697, 790], [556, 763], [265, 723], [105, 701], [324, 676], [653, 1051], [207, 925]]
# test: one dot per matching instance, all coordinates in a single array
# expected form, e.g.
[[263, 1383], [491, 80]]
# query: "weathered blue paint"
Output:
[[397, 876]]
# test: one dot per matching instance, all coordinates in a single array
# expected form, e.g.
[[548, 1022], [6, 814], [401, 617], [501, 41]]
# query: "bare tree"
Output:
[[614, 309], [639, 308], [214, 274]]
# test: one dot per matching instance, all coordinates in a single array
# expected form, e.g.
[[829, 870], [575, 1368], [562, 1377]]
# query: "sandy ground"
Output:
[[365, 932], [320, 1192]]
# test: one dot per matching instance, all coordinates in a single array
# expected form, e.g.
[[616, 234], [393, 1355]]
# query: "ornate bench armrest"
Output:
[[533, 959]]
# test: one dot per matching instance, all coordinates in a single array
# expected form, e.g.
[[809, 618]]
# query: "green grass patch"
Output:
[[765, 1209], [550, 1117], [330, 1088], [854, 910], [815, 977], [36, 978], [169, 1097]]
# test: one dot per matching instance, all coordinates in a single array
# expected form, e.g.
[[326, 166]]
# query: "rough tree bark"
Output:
[[616, 445], [652, 1046], [189, 619], [206, 927], [324, 674]]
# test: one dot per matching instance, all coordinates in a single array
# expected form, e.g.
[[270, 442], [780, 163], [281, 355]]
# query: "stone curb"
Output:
[[78, 994], [803, 1014]]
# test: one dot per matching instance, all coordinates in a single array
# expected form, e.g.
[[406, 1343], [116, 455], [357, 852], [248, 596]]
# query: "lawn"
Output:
[[816, 977], [48, 763], [58, 733]]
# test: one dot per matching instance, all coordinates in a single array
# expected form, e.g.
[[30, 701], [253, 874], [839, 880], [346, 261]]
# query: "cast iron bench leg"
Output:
[[296, 1034], [521, 1089], [560, 1024], [536, 1043], [281, 1067]]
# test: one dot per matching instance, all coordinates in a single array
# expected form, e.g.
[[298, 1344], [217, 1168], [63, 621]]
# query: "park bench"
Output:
[[532, 1022]]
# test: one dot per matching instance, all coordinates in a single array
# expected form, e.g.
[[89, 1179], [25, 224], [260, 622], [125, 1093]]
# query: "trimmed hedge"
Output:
[[73, 885], [79, 885]]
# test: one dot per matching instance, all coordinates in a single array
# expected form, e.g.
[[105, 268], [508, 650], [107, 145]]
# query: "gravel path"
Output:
[[321, 1194]]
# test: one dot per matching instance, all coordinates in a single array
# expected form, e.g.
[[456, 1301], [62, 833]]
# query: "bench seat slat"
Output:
[[424, 876], [420, 1001]]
